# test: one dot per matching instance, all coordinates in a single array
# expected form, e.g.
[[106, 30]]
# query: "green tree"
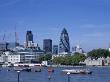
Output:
[[99, 53], [46, 57], [76, 58], [69, 60], [58, 60]]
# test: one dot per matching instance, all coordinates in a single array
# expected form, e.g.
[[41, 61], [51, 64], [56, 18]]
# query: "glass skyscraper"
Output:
[[29, 36], [55, 49], [64, 45], [47, 46]]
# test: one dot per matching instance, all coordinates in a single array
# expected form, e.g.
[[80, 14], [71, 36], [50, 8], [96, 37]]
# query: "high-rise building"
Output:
[[77, 49], [47, 45], [64, 45], [55, 49], [3, 46], [109, 47], [29, 37]]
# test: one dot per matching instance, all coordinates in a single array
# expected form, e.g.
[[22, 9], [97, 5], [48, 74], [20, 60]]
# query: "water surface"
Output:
[[100, 74]]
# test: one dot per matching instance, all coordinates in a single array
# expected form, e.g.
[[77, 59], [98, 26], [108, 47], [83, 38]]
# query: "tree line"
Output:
[[75, 58], [69, 60]]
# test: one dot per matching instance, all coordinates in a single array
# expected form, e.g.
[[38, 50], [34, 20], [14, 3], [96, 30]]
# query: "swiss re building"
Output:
[[64, 45]]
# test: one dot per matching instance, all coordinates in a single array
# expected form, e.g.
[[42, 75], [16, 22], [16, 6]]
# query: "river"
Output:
[[100, 74]]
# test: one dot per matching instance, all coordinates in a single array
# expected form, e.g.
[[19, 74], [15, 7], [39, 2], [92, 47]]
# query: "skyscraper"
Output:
[[109, 47], [55, 49], [29, 38], [77, 49], [47, 45], [64, 45]]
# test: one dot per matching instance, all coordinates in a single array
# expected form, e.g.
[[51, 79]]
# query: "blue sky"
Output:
[[87, 21]]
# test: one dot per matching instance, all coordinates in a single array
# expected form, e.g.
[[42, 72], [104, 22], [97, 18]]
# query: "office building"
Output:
[[47, 46], [109, 47], [55, 49], [64, 45], [29, 38], [77, 49], [4, 45]]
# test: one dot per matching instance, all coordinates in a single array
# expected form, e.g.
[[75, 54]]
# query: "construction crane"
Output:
[[16, 38], [3, 37], [4, 43]]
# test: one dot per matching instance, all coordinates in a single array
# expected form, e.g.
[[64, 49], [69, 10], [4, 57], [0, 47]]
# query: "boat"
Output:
[[77, 71], [37, 70], [27, 69], [18, 69], [85, 72]]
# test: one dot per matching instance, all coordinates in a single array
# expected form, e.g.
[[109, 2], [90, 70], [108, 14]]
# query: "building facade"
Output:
[[29, 37], [47, 46], [97, 62], [11, 57], [55, 49], [64, 45], [4, 45], [109, 47], [16, 58], [77, 49], [20, 55]]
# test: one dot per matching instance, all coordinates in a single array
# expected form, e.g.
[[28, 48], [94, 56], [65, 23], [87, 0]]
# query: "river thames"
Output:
[[100, 74]]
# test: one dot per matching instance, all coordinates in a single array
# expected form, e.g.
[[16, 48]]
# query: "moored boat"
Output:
[[37, 70], [18, 69], [77, 71], [27, 69]]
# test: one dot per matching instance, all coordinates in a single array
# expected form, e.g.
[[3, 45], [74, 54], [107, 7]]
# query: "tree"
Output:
[[69, 60], [96, 53], [77, 57], [46, 57], [58, 60]]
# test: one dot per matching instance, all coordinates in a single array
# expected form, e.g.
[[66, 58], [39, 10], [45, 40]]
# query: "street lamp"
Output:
[[68, 76], [49, 77], [18, 72]]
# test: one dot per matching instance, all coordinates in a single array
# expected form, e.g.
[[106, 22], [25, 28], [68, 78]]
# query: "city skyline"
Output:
[[87, 22]]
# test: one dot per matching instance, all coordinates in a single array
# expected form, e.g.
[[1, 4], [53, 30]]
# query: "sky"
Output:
[[87, 21]]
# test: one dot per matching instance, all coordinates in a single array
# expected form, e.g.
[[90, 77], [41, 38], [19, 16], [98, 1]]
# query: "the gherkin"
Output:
[[64, 45]]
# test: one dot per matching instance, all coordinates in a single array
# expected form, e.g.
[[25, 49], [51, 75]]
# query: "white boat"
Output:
[[77, 71], [18, 69]]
